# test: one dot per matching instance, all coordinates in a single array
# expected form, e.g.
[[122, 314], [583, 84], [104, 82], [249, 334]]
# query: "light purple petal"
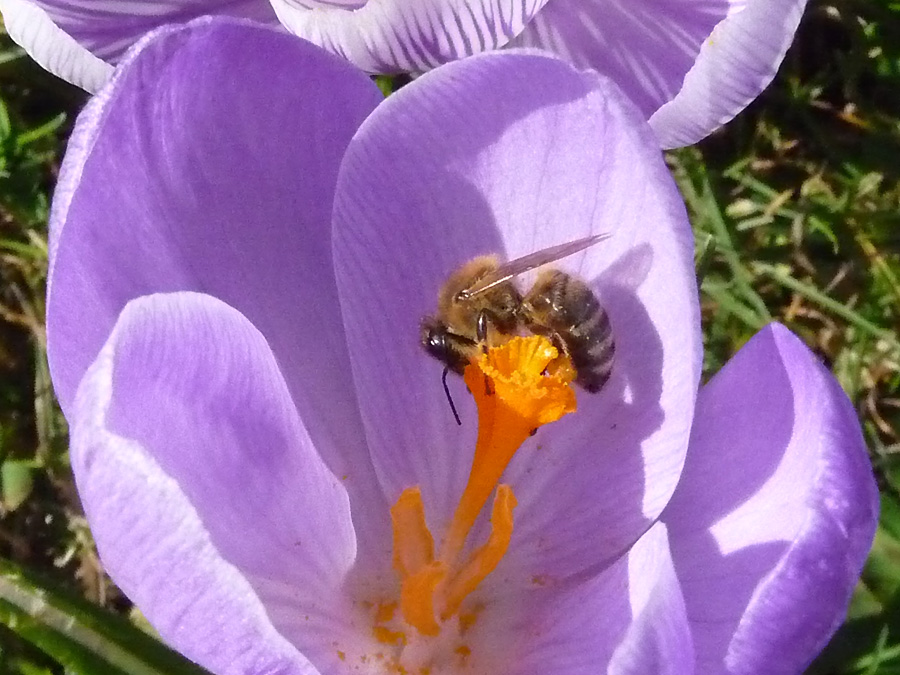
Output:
[[189, 174], [512, 152], [200, 482], [775, 512], [645, 47], [735, 64], [629, 620], [107, 28], [690, 65], [386, 36], [54, 49]]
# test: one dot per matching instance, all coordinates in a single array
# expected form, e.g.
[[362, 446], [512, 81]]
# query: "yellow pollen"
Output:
[[468, 619], [517, 388], [388, 637], [385, 612]]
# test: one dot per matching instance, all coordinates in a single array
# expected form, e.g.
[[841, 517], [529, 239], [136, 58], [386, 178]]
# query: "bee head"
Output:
[[433, 335], [449, 348]]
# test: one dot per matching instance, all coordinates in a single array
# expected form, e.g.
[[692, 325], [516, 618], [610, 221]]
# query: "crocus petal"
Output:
[[629, 620], [110, 27], [80, 40], [735, 64], [645, 47], [187, 174], [200, 482], [775, 512], [54, 49], [512, 152], [384, 36], [690, 66]]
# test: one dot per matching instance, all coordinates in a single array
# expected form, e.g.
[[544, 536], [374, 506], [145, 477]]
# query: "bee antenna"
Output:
[[449, 397]]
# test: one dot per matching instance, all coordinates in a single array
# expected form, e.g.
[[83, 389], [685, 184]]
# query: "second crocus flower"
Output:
[[689, 66]]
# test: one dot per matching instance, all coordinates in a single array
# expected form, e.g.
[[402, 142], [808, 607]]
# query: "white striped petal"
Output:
[[407, 35], [689, 65], [735, 64], [109, 27], [82, 40], [54, 49], [645, 47]]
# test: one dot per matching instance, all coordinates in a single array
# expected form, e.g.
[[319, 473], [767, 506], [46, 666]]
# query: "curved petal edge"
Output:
[[736, 63], [391, 36], [154, 542], [775, 512], [53, 48]]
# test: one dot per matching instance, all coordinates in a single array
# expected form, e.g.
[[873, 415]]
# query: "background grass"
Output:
[[796, 207]]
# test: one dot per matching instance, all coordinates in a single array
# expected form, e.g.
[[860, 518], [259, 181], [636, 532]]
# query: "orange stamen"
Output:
[[483, 561], [517, 387], [413, 543], [520, 399], [417, 598]]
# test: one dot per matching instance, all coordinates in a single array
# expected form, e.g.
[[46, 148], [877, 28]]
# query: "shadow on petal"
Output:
[[775, 511], [585, 484]]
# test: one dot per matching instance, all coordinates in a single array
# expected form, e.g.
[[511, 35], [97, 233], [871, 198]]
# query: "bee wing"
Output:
[[513, 268]]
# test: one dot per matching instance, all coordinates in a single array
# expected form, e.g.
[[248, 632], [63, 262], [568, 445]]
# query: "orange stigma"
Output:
[[517, 387]]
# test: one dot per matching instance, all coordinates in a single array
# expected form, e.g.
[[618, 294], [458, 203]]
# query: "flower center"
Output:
[[517, 387]]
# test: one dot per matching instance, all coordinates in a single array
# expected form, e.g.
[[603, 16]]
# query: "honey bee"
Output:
[[480, 306]]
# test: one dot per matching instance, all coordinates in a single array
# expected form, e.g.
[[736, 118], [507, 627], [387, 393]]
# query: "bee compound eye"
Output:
[[436, 341]]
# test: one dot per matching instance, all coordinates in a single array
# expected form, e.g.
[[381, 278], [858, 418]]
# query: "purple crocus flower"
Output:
[[263, 448], [689, 65]]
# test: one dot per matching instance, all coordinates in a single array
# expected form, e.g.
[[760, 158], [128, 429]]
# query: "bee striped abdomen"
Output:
[[565, 309]]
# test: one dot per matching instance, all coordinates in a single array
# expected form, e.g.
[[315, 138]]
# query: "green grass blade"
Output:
[[826, 302], [43, 131], [727, 302], [890, 515], [742, 277], [82, 637]]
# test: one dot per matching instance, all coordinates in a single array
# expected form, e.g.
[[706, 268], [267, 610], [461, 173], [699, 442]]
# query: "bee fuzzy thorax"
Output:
[[464, 277], [498, 305]]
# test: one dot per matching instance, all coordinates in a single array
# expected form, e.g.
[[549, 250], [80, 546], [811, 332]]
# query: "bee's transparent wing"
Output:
[[513, 268]]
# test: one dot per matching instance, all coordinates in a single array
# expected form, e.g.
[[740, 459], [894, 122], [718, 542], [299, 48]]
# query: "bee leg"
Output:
[[481, 330], [449, 397], [561, 347]]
